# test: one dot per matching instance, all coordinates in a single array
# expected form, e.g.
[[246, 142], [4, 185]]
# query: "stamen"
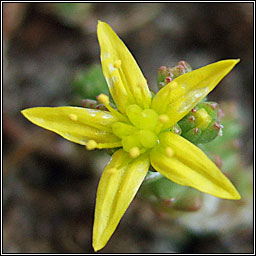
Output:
[[143, 89], [142, 86], [134, 152], [169, 152], [117, 63], [73, 117], [109, 145], [104, 99], [171, 93], [91, 144], [163, 119], [130, 142]]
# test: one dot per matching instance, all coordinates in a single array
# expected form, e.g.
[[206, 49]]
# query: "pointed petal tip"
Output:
[[97, 246], [100, 25], [98, 242], [236, 196], [233, 194], [235, 61], [231, 62], [100, 22], [25, 112]]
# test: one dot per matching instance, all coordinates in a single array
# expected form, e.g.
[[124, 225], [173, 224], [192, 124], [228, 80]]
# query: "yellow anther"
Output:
[[104, 99], [91, 144], [73, 117], [111, 171], [163, 119], [117, 63], [169, 152], [134, 152]]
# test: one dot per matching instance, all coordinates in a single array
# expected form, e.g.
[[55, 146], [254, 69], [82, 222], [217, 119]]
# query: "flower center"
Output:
[[141, 134]]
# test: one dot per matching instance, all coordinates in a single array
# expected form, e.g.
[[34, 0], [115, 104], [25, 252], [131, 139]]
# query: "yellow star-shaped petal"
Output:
[[141, 128]]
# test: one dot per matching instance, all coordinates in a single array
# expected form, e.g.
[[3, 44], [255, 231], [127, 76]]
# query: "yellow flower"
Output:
[[141, 128]]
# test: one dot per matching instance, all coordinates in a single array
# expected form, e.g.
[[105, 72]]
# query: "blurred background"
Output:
[[51, 58]]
